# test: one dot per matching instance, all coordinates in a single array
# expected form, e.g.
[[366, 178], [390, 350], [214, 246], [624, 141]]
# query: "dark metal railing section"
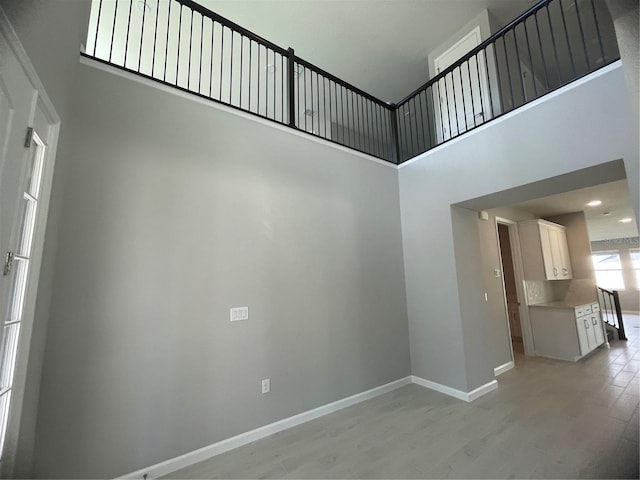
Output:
[[611, 311], [182, 44], [550, 45]]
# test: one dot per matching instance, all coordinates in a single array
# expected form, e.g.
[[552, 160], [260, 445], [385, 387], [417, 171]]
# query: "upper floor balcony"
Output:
[[182, 44]]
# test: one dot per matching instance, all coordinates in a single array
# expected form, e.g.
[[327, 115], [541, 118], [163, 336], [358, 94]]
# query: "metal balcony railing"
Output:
[[184, 45]]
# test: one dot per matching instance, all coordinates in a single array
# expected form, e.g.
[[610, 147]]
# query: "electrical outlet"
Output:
[[239, 313], [266, 385]]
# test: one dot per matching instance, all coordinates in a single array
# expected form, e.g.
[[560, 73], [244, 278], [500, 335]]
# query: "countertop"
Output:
[[564, 304]]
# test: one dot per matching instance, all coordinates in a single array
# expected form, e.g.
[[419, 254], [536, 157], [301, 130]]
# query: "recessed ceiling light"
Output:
[[625, 220], [594, 203]]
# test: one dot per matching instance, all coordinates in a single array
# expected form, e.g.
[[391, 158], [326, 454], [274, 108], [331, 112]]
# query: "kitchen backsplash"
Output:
[[545, 291]]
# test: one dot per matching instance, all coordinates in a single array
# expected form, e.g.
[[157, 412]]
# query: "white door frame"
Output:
[[476, 34], [46, 123], [518, 271]]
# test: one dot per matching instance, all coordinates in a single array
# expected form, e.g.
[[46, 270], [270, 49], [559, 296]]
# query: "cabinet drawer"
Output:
[[580, 312], [595, 308], [587, 309]]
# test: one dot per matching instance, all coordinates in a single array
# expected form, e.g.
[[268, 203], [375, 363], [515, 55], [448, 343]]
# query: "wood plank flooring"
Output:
[[547, 419]]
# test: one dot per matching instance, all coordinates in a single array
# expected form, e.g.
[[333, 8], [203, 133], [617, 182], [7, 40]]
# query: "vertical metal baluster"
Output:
[[190, 44], [494, 47], [455, 102], [407, 131], [409, 119], [166, 45], [365, 119], [330, 115], [282, 88], [318, 100], [304, 110], [350, 118], [95, 43], [298, 122], [356, 140], [367, 116], [324, 104], [533, 77], [222, 60], [201, 52], [370, 111], [250, 80], [482, 99], [144, 12], [178, 51], [424, 133], [155, 39], [341, 112], [360, 124], [473, 109], [439, 104], [313, 113], [113, 30], [515, 42], [430, 128], [584, 43], [266, 81], [379, 130], [595, 19], [464, 104], [231, 68], [544, 62], [241, 69], [275, 84], [566, 35], [506, 57], [553, 42], [126, 43]]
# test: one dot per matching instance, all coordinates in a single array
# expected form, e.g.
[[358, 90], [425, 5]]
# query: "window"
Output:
[[635, 264], [608, 270]]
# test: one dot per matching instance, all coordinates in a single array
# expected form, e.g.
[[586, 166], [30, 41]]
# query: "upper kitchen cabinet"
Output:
[[545, 252]]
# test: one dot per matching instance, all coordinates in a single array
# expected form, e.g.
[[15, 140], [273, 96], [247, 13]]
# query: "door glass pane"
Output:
[[34, 174], [18, 288], [5, 399], [28, 226], [8, 354]]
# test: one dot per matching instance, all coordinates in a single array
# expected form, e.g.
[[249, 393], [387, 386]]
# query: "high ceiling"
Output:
[[615, 200], [380, 46]]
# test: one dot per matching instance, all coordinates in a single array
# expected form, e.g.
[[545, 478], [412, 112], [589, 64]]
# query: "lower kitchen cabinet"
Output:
[[566, 332]]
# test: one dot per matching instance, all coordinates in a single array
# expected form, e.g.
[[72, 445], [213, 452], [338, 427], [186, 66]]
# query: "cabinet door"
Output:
[[546, 241], [583, 335], [596, 326], [564, 267]]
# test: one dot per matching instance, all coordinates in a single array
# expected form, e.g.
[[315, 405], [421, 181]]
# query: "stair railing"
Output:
[[611, 311]]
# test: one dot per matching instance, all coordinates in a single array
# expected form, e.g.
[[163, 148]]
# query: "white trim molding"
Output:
[[453, 392], [182, 461], [505, 367]]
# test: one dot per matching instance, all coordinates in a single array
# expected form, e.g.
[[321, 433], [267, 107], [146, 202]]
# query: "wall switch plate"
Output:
[[497, 273], [266, 385], [239, 313]]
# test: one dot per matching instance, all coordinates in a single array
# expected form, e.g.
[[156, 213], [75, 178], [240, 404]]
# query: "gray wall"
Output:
[[574, 129], [174, 212]]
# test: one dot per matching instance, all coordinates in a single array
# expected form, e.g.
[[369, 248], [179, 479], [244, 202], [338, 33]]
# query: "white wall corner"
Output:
[[505, 367], [453, 392], [182, 461]]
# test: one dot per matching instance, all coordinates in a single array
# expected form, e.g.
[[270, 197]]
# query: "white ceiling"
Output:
[[615, 199], [380, 46]]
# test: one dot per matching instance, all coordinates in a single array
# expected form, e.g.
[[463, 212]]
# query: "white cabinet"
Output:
[[590, 328], [566, 333], [545, 252]]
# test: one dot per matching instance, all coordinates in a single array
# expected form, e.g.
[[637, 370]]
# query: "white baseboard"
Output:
[[217, 448], [503, 368], [453, 392]]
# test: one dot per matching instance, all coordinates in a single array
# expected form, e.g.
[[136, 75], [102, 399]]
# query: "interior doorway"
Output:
[[510, 286]]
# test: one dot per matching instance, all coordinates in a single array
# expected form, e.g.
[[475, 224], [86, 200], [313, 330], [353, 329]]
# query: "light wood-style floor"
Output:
[[547, 419]]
